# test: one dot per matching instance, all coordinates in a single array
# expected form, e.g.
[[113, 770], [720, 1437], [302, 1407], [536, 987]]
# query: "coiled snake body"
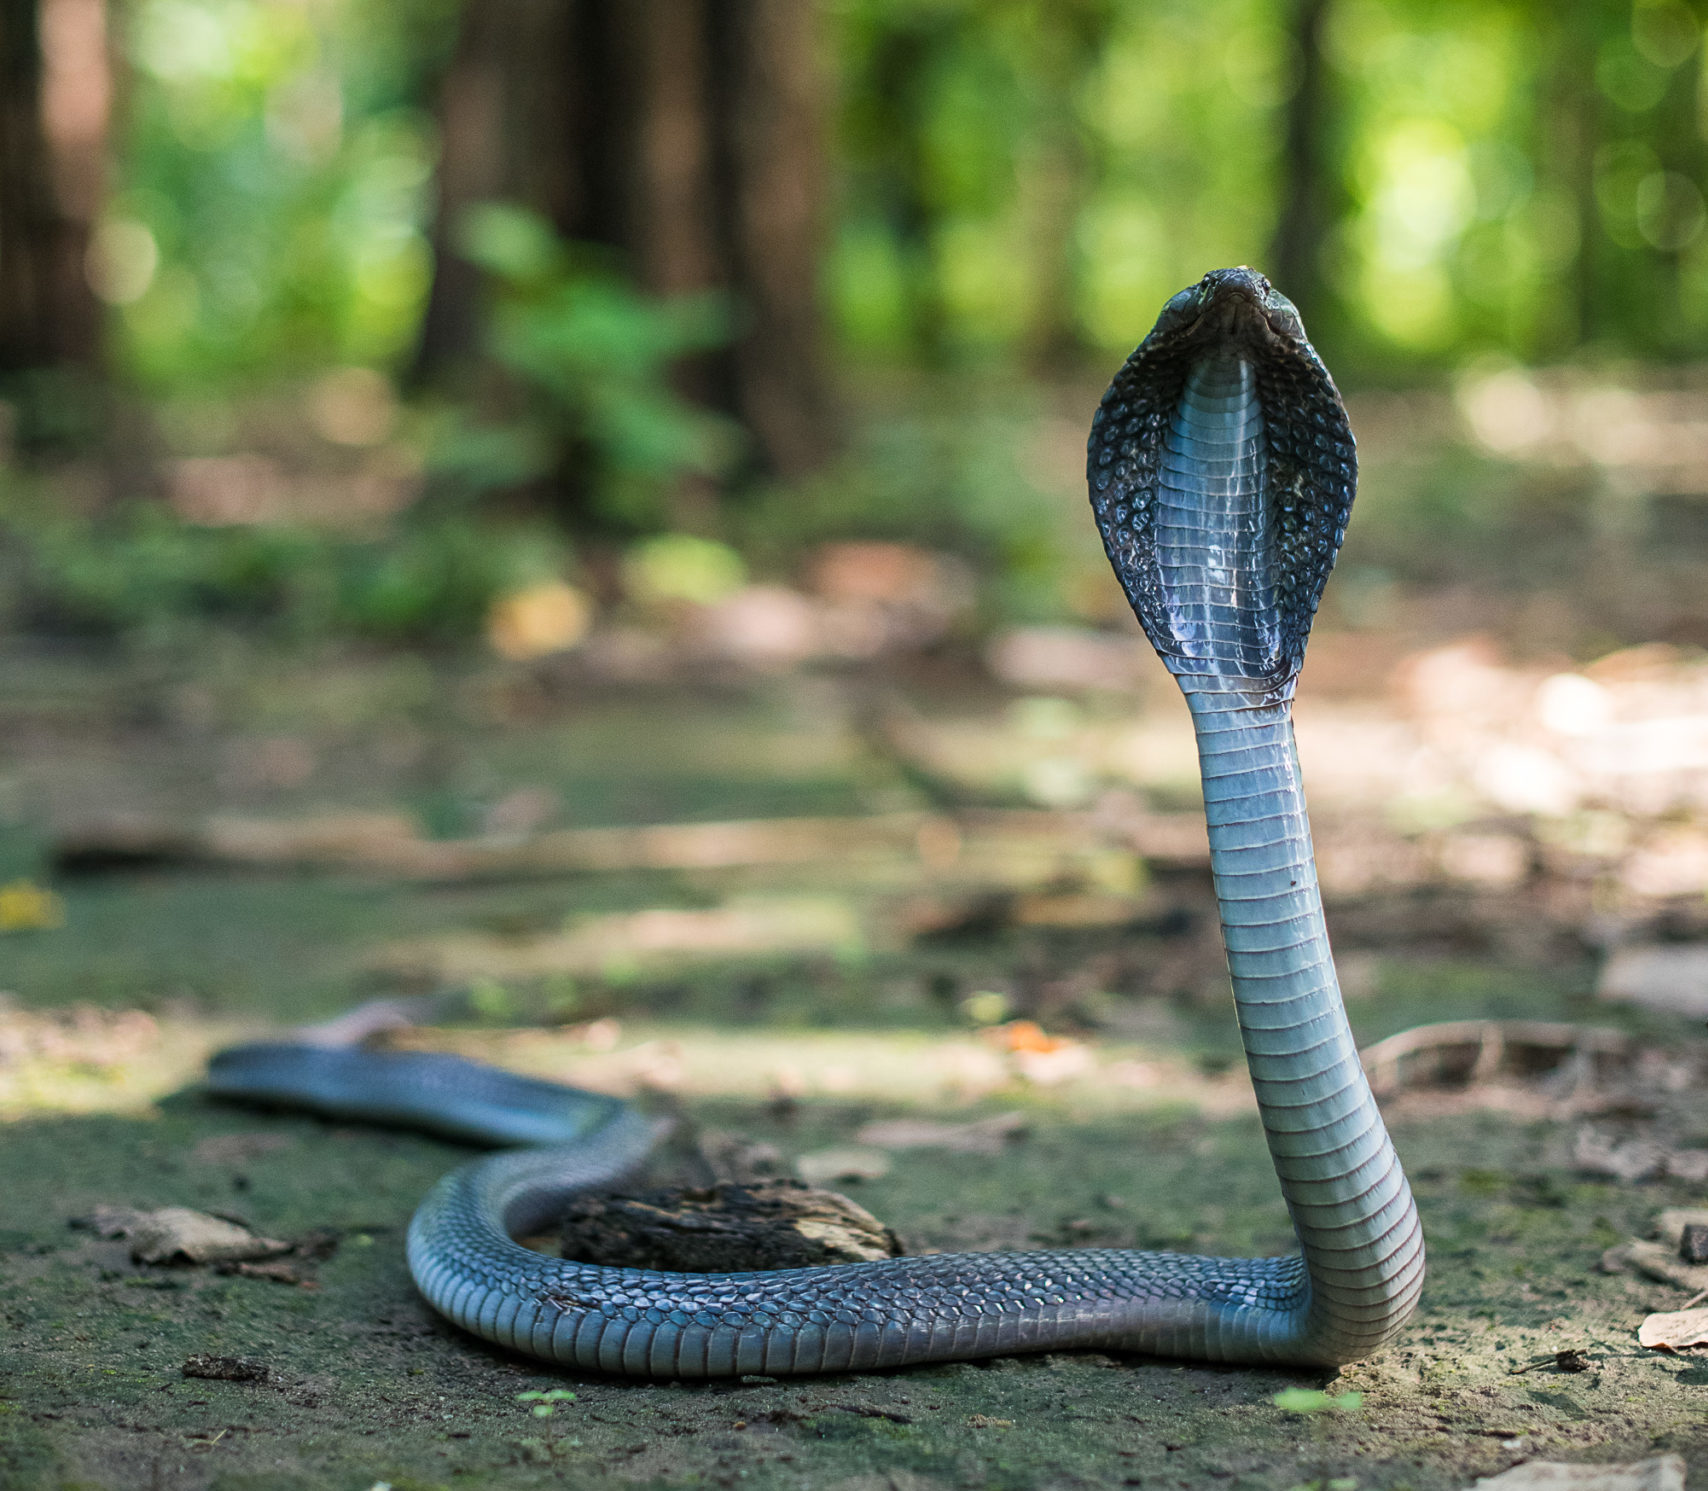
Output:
[[1222, 472]]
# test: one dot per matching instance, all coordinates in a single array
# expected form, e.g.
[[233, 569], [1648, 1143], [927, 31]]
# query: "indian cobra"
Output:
[[1222, 471]]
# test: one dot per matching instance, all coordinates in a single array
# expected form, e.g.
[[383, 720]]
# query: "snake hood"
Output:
[[1224, 426]]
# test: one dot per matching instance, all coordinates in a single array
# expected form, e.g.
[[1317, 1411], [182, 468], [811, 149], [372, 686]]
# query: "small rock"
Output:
[[1693, 1243]]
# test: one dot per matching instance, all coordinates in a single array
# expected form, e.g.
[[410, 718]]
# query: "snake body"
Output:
[[1222, 471]]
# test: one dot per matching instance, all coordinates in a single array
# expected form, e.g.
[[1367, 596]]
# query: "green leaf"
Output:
[[545, 1403], [509, 241], [1312, 1400]]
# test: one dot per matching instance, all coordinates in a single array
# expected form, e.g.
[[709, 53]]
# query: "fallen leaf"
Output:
[[1670, 1224], [26, 907], [1635, 1159], [238, 1149], [177, 1232], [1046, 1068], [980, 1136], [1024, 1035], [1663, 1473], [1675, 1330], [278, 1271], [1657, 1261], [847, 1162]]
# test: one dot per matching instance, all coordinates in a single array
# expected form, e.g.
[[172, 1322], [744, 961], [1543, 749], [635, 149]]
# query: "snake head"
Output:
[[1236, 304]]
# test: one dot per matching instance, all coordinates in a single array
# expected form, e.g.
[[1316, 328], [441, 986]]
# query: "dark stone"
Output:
[[227, 1368], [1693, 1246]]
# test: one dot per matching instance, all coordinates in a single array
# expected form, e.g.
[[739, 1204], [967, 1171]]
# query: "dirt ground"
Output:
[[1032, 967]]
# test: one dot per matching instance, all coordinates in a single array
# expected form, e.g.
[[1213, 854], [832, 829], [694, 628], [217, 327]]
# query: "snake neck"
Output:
[[1350, 1204], [1214, 559]]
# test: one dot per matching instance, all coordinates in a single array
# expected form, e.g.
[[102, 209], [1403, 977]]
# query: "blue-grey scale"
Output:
[[1222, 472]]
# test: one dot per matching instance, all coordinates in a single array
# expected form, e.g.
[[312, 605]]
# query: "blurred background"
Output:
[[578, 505]]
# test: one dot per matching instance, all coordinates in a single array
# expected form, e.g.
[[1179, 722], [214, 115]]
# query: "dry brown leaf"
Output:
[[1655, 1260], [1675, 1330], [1670, 1224], [1595, 1153], [980, 1136], [177, 1232], [1663, 1473]]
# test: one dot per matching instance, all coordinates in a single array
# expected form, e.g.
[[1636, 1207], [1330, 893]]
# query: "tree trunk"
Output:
[[1059, 180], [767, 99], [55, 102], [1305, 213], [686, 135]]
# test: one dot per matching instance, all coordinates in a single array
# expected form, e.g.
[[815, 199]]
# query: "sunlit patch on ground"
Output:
[[90, 1060]]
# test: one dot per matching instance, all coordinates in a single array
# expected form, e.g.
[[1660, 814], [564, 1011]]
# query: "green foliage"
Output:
[[1010, 173], [589, 359], [140, 569], [681, 567], [274, 175], [1498, 176]]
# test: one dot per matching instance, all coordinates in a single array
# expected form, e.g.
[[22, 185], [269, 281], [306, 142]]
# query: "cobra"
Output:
[[1222, 471]]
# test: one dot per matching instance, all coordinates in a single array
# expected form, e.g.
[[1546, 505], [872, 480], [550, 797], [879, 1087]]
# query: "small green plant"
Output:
[[545, 1403], [588, 403], [1312, 1400]]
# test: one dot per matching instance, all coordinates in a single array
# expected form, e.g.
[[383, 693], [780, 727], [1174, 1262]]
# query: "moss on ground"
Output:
[[366, 1385]]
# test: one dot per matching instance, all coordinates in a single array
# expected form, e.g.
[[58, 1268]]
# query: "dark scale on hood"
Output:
[[1312, 460]]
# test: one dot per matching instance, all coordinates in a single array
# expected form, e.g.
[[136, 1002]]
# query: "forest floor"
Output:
[[991, 946]]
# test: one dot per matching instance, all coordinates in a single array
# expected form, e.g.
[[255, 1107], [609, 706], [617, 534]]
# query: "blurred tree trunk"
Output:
[[687, 135], [901, 76], [55, 102], [1305, 211], [1059, 181], [1569, 130]]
